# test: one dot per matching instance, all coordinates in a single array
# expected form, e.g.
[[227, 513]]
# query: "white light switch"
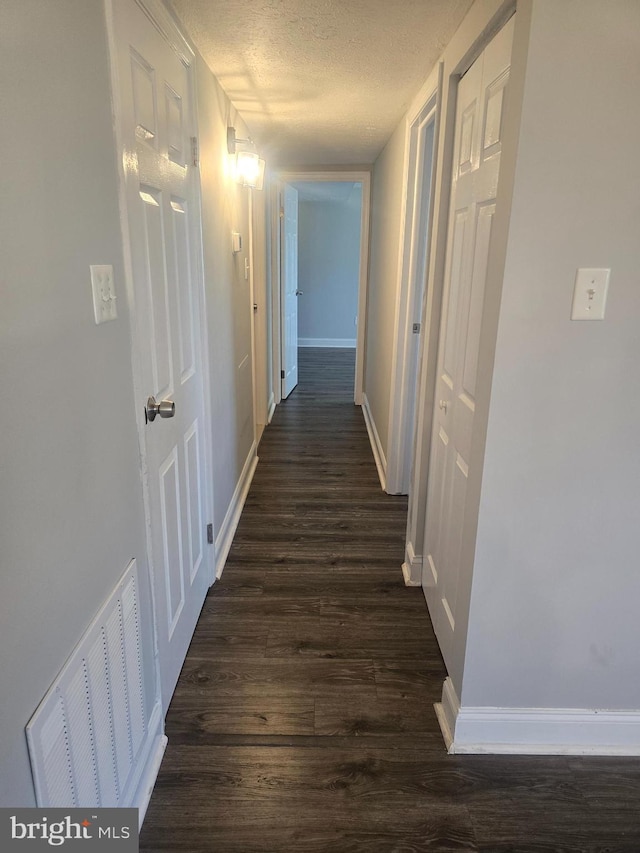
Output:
[[590, 294], [104, 294]]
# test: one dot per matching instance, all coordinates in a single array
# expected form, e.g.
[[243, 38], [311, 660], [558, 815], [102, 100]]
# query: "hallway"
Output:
[[303, 719]]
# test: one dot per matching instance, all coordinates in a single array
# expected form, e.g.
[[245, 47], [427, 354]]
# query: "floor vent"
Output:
[[88, 733]]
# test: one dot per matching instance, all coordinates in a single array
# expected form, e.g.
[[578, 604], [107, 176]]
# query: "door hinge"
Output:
[[195, 153], [282, 374], [210, 534], [416, 328]]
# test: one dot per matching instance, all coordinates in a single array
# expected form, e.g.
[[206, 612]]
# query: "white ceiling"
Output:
[[321, 82]]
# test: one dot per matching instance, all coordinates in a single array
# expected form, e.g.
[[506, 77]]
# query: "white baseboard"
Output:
[[376, 446], [447, 713], [536, 731], [150, 764], [338, 343], [406, 574], [412, 567], [232, 517], [271, 408]]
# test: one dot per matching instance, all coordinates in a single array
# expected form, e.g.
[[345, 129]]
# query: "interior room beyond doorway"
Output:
[[329, 217]]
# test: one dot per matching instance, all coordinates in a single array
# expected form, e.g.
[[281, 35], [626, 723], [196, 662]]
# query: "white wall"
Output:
[[328, 269], [70, 497], [386, 214], [553, 619]]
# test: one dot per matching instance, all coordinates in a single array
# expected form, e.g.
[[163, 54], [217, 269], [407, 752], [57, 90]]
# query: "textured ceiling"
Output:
[[321, 82]]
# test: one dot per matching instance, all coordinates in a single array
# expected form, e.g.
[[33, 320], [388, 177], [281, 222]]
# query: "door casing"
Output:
[[416, 229]]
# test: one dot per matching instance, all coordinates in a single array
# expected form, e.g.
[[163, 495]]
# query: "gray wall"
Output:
[[70, 498], [71, 511], [553, 618], [328, 268]]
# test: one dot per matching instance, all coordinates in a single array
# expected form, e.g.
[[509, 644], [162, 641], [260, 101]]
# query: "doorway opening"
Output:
[[320, 232]]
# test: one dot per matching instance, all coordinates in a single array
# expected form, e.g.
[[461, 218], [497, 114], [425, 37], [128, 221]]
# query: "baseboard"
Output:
[[232, 517], [150, 764], [271, 408], [376, 446], [537, 731], [406, 574], [337, 343], [447, 713], [412, 567], [444, 726]]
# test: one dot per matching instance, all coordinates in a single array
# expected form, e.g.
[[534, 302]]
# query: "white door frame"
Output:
[[288, 176], [166, 24], [417, 227]]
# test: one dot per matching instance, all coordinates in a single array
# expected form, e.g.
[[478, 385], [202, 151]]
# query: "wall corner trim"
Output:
[[537, 731], [376, 445], [232, 517]]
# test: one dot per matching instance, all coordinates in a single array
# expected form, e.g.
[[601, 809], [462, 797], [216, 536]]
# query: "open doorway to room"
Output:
[[319, 270], [328, 263]]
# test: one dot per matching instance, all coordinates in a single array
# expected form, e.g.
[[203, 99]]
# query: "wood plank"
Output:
[[307, 799], [303, 718]]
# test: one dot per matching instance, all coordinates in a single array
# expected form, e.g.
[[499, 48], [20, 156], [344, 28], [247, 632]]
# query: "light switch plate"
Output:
[[590, 294], [104, 294]]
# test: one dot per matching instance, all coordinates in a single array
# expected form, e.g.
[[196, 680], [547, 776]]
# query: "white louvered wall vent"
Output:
[[86, 737]]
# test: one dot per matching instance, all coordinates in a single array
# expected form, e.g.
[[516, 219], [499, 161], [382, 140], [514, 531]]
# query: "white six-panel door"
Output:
[[157, 118], [477, 149], [290, 291]]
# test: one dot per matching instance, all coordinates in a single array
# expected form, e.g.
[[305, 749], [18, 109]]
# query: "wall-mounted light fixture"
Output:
[[249, 165]]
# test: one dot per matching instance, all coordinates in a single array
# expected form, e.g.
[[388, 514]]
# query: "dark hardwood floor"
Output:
[[303, 719]]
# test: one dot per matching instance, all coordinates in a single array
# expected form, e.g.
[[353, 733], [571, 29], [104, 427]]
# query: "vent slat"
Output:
[[83, 759], [103, 728]]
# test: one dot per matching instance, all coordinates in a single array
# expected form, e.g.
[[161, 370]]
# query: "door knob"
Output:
[[298, 293], [165, 408], [443, 405]]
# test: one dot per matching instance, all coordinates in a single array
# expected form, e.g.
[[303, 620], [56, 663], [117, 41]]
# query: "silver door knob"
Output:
[[165, 408], [443, 405], [298, 293]]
